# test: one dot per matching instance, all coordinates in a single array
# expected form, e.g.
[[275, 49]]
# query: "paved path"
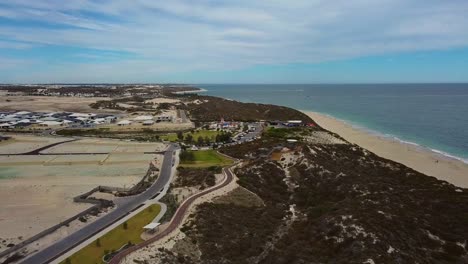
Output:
[[183, 116], [176, 219], [55, 250]]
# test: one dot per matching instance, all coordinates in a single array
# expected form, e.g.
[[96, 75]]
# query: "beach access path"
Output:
[[176, 220], [57, 249]]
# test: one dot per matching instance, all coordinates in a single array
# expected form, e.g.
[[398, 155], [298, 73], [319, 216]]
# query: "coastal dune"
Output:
[[425, 161]]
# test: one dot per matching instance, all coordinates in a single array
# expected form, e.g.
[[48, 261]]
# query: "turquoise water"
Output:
[[433, 116]]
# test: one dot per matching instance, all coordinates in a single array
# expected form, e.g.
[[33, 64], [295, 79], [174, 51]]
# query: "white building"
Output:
[[124, 123], [148, 122], [143, 118]]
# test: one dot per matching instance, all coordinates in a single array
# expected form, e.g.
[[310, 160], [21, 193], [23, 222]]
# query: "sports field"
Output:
[[205, 158]]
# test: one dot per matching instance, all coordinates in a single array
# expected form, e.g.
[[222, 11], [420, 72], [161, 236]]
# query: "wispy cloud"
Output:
[[182, 35]]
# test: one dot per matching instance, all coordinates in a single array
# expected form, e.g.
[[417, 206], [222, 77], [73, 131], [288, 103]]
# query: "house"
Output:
[[22, 113], [163, 118], [8, 119], [111, 119], [6, 125], [49, 118], [124, 123], [99, 121], [148, 122], [50, 123], [293, 123]]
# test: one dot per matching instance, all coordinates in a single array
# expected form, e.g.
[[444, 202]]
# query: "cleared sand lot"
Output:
[[26, 143], [162, 101], [49, 103], [36, 191], [104, 146]]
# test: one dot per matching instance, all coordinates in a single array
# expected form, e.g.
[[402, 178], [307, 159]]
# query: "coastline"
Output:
[[200, 90], [423, 160]]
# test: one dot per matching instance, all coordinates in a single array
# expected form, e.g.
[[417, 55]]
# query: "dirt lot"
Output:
[[36, 191], [49, 104], [26, 143]]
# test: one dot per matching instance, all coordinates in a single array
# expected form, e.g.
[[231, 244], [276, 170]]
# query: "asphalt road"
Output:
[[175, 222], [249, 136], [60, 247]]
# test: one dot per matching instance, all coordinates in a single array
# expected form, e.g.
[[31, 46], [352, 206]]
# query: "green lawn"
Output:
[[206, 158], [201, 133], [116, 238]]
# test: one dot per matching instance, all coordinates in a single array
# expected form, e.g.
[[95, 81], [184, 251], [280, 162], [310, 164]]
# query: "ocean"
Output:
[[433, 116]]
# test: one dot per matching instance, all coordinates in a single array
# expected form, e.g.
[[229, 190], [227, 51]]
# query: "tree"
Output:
[[189, 138], [187, 156], [207, 140], [200, 141], [180, 136], [98, 242], [125, 225]]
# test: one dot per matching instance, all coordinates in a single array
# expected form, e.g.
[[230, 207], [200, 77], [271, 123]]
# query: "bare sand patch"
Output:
[[50, 104], [425, 161], [105, 146], [36, 191], [26, 143], [162, 100], [129, 158], [320, 137], [30, 205]]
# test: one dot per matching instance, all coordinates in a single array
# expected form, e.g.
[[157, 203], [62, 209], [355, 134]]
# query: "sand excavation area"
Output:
[[36, 191]]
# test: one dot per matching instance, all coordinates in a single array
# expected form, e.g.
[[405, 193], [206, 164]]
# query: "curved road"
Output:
[[176, 219], [60, 247]]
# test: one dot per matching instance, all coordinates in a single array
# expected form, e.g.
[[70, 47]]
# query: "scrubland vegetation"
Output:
[[330, 203]]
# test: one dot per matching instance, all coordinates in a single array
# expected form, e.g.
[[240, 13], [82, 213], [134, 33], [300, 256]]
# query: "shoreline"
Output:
[[427, 161], [200, 90]]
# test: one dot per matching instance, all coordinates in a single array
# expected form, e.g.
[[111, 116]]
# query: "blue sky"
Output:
[[206, 41]]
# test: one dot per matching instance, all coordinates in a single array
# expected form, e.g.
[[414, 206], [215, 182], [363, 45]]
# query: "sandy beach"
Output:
[[422, 160]]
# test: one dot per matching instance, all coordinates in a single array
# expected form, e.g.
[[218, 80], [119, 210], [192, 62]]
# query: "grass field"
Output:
[[206, 158], [201, 133], [116, 238]]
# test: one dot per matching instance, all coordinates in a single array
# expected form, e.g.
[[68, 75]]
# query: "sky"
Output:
[[241, 41]]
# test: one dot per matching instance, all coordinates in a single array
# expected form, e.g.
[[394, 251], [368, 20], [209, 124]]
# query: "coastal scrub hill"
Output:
[[324, 200], [209, 108]]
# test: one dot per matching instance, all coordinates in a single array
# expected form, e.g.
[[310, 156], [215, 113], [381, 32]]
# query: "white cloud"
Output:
[[177, 36]]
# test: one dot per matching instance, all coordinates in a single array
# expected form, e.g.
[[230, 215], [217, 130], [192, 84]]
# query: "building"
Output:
[[124, 123], [151, 227], [148, 123], [163, 118]]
